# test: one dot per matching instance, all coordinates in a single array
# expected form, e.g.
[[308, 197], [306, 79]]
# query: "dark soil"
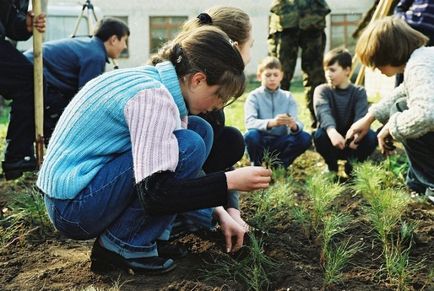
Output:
[[39, 259]]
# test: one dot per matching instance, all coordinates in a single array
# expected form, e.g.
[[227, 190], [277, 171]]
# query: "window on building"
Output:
[[125, 53], [342, 27], [162, 29]]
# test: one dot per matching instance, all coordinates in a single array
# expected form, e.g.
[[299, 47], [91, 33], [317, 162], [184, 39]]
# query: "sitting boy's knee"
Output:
[[252, 136]]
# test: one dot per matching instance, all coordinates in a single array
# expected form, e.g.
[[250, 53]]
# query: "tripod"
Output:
[[88, 8]]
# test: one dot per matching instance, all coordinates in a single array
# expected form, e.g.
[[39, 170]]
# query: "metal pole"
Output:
[[38, 84]]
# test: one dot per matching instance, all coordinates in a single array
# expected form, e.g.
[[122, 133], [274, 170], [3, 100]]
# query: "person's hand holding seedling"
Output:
[[385, 140], [248, 178], [351, 143], [360, 128]]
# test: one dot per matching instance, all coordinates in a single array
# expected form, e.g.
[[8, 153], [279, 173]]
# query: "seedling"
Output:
[[270, 160], [336, 258], [272, 206], [28, 210], [252, 271], [322, 191]]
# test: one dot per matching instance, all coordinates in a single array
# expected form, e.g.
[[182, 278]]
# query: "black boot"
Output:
[[13, 169]]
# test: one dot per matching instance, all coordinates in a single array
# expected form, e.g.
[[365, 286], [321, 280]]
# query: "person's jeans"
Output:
[[331, 154], [287, 147], [109, 206]]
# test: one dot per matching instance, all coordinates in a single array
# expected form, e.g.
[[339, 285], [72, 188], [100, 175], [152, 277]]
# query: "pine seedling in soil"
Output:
[[322, 191], [336, 258], [398, 267], [333, 224], [252, 271], [26, 212], [302, 217], [270, 160], [367, 179], [385, 210], [272, 207]]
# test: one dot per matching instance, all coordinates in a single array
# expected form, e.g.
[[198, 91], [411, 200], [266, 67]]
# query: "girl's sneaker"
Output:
[[103, 260]]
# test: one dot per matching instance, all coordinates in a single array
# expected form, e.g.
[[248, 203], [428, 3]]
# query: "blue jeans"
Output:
[[288, 147], [109, 206], [331, 154]]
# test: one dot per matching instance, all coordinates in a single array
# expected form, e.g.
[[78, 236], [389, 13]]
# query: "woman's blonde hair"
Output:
[[209, 50], [388, 41], [233, 21]]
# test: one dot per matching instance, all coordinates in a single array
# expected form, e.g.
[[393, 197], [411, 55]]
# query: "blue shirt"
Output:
[[71, 62]]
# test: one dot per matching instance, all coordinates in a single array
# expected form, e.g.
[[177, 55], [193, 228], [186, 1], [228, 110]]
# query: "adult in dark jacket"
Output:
[[16, 82]]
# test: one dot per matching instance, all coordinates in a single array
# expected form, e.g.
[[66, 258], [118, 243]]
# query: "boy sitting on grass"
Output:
[[271, 118], [338, 105]]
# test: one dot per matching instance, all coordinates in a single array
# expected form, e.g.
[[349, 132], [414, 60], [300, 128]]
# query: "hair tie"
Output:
[[178, 53], [204, 18]]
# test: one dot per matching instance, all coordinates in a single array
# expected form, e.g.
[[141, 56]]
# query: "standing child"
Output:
[[121, 162], [338, 105], [271, 118], [407, 113]]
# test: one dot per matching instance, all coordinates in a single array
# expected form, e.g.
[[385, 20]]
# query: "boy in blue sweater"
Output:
[[271, 118], [68, 65]]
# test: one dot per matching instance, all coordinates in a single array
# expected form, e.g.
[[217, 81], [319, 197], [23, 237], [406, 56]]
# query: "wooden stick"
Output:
[[38, 84], [381, 11]]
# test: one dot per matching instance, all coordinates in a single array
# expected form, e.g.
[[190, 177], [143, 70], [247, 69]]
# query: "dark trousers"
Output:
[[16, 84], [287, 147], [332, 154], [420, 153], [227, 150]]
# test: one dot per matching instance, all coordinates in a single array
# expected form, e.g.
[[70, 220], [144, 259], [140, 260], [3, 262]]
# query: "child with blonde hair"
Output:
[[271, 118]]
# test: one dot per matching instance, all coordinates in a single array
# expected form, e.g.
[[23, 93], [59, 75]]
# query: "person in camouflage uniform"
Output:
[[294, 24]]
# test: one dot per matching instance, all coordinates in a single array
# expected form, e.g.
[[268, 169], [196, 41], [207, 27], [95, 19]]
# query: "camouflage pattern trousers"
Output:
[[285, 44]]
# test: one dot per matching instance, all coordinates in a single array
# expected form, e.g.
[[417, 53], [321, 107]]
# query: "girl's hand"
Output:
[[248, 178], [232, 231], [36, 22], [385, 140], [360, 128], [236, 215]]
